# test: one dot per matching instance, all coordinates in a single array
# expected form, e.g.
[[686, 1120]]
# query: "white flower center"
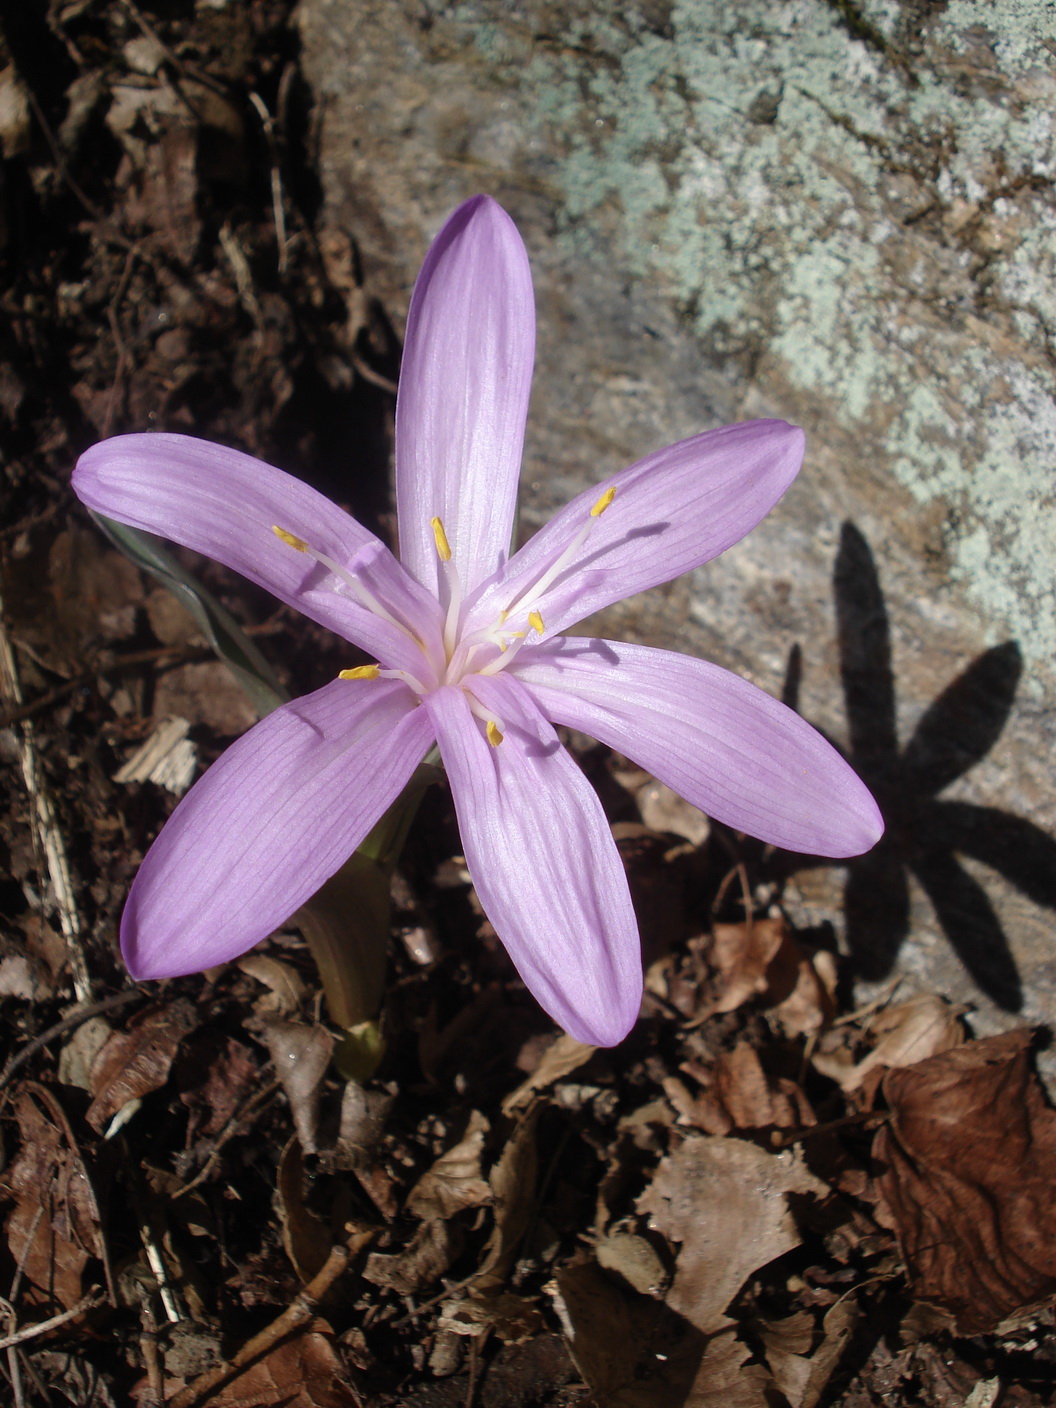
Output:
[[484, 651]]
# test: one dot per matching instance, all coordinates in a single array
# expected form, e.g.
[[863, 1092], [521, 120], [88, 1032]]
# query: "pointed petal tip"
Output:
[[605, 1029], [856, 826]]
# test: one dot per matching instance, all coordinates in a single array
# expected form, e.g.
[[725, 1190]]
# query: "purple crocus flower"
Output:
[[470, 655]]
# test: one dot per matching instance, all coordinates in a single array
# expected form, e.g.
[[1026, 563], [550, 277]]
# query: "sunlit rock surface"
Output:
[[842, 215]]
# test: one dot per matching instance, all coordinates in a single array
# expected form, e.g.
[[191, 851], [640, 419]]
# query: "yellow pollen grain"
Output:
[[494, 736], [443, 547], [603, 503], [536, 622], [291, 539], [361, 672]]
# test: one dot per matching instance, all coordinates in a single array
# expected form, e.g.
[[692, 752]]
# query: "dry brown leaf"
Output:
[[741, 955], [967, 1182], [363, 1115], [561, 1058], [138, 1060], [230, 1075], [54, 1227], [303, 1372], [301, 1056], [800, 1375], [764, 959], [725, 1379], [738, 1094], [455, 1181], [630, 1349], [725, 1201], [307, 1240], [905, 1033], [513, 1186]]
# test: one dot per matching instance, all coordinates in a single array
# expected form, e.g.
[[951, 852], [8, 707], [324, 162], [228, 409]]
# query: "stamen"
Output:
[[538, 587], [536, 622], [603, 503], [361, 595], [361, 672], [443, 547], [494, 736], [291, 539], [408, 679]]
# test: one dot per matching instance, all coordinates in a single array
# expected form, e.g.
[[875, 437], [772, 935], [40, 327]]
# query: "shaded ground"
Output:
[[759, 1198]]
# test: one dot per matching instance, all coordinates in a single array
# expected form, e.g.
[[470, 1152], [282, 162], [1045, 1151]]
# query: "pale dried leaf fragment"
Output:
[[455, 1181], [967, 1185], [166, 758], [285, 988], [512, 1318], [420, 1264], [741, 955], [725, 1202], [905, 1033], [560, 1059]]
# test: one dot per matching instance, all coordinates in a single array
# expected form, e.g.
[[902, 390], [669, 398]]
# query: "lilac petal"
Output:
[[543, 860], [224, 504], [727, 747], [272, 819], [463, 398], [671, 512]]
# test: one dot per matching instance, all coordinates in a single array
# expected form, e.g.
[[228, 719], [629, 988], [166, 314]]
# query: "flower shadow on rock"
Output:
[[926, 834]]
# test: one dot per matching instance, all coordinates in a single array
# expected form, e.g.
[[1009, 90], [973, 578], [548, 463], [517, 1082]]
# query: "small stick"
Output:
[[30, 1332], [46, 828], [291, 1319], [69, 1022]]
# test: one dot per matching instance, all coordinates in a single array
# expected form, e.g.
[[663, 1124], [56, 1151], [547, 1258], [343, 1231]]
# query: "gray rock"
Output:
[[842, 215]]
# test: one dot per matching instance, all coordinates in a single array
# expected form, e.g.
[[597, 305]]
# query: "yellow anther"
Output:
[[603, 503], [361, 672], [494, 736], [291, 539], [536, 621], [443, 547], [502, 617]]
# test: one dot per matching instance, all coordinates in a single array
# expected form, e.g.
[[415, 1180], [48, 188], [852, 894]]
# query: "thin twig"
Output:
[[46, 826], [68, 1023], [166, 657], [291, 1319], [30, 1332], [278, 209], [251, 1108]]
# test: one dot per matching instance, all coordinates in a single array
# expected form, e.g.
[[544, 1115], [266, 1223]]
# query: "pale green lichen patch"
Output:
[[874, 216]]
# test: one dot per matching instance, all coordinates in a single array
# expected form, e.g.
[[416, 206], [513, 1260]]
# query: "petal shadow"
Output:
[[972, 927], [865, 653], [876, 909], [965, 721]]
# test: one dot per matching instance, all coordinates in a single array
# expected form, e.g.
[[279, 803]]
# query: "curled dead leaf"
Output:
[[301, 1055], [966, 1180], [137, 1061], [455, 1180]]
